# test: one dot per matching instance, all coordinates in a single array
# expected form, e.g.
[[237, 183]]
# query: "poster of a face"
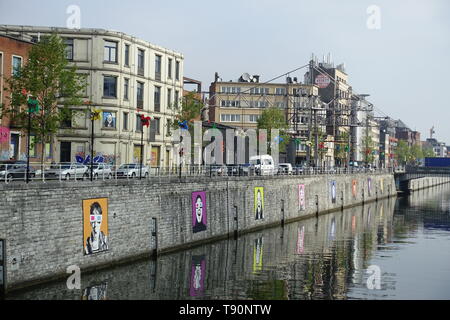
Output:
[[301, 197], [333, 191], [301, 240], [95, 225], [109, 120], [354, 191], [259, 203], [199, 221], [197, 281], [258, 254], [369, 186]]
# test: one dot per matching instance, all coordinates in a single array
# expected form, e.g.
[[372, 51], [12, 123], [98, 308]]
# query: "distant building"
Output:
[[13, 139], [126, 77]]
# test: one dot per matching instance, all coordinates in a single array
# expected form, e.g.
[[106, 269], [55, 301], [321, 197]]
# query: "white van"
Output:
[[263, 164]]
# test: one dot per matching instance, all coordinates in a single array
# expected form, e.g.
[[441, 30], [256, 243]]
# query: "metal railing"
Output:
[[62, 172]]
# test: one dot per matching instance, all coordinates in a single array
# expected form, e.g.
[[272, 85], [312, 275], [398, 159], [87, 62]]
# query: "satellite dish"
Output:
[[246, 77]]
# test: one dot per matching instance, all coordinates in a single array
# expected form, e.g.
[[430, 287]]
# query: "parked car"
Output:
[[100, 170], [233, 170], [217, 170], [15, 170], [285, 168], [66, 171], [131, 170]]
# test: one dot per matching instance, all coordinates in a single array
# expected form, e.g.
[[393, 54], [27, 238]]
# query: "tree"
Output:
[[428, 152], [189, 110], [415, 153], [274, 118], [402, 152], [55, 86]]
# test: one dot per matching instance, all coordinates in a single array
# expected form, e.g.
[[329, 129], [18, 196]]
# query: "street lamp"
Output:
[[95, 115], [145, 121]]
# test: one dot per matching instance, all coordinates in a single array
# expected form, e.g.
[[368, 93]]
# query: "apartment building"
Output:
[[13, 140], [126, 77]]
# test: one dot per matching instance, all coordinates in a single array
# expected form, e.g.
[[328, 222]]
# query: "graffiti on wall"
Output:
[[95, 225], [111, 159], [4, 134], [199, 222], [259, 203]]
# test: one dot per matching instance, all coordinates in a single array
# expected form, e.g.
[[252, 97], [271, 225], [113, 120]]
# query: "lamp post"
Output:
[[145, 121], [94, 115]]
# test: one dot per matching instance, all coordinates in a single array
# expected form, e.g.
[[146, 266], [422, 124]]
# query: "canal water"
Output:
[[390, 249]]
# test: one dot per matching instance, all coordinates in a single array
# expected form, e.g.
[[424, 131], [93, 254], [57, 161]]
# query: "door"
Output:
[[65, 151], [155, 157], [14, 146]]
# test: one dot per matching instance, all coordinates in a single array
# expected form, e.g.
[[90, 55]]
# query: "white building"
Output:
[[126, 77]]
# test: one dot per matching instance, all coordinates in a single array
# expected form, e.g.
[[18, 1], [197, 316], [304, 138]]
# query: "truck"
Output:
[[437, 162]]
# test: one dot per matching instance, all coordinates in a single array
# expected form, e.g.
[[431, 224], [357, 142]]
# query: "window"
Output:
[[110, 87], [231, 103], [125, 121], [169, 68], [67, 120], [127, 55], [231, 89], [177, 98], [259, 91], [69, 49], [169, 98], [280, 91], [259, 104], [16, 65], [141, 57], [110, 53], [230, 117], [253, 118], [48, 150], [281, 105], [177, 70], [126, 85], [156, 124], [157, 67], [157, 99], [140, 95], [138, 123]]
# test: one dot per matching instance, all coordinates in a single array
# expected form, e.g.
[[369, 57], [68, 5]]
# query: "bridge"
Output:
[[405, 174]]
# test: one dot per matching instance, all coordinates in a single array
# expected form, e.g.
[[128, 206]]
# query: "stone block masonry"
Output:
[[42, 224]]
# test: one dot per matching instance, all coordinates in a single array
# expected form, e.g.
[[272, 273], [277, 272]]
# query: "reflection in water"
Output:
[[321, 258]]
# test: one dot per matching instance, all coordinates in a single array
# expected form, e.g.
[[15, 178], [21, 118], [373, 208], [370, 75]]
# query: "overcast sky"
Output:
[[404, 65]]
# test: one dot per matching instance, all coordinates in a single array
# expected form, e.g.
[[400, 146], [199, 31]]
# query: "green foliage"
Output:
[[368, 149], [274, 118], [47, 77], [428, 152], [189, 110], [411, 154]]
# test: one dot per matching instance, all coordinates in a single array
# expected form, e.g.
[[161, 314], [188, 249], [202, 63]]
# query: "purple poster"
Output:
[[198, 211], [4, 134], [198, 270]]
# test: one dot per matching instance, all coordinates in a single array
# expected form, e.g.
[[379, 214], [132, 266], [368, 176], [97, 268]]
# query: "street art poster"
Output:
[[333, 191], [301, 240], [259, 203], [198, 271], [369, 186], [199, 217], [95, 225], [4, 134], [354, 191], [97, 292], [109, 120], [258, 254], [301, 197]]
